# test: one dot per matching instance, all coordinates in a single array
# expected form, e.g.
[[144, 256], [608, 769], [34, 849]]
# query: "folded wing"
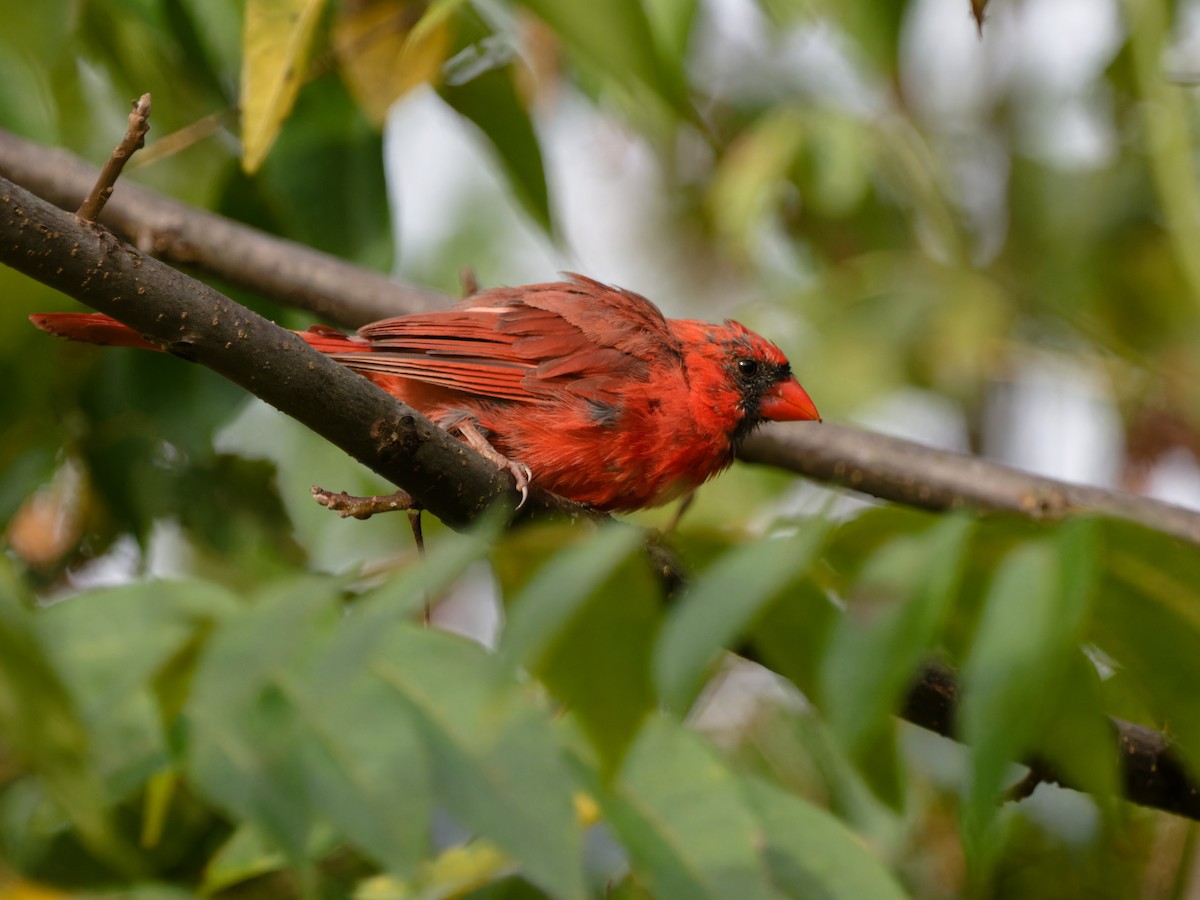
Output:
[[521, 344]]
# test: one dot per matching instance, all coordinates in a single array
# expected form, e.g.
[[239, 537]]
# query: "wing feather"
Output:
[[523, 344]]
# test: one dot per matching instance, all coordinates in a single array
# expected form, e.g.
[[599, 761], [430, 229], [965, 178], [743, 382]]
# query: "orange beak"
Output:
[[788, 402]]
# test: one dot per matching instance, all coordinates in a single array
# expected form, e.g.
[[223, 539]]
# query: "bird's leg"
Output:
[[684, 504], [477, 442], [346, 505], [414, 521]]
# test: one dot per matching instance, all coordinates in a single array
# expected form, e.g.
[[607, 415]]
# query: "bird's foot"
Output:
[[521, 473], [347, 505]]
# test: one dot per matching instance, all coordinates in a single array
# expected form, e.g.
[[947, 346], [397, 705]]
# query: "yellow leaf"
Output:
[[14, 888], [275, 44], [587, 813], [455, 872], [387, 47]]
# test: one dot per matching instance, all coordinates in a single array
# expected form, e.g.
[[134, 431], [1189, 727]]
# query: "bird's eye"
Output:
[[747, 367]]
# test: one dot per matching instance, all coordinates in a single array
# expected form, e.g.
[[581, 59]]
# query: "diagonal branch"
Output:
[[888, 468], [195, 322], [291, 273]]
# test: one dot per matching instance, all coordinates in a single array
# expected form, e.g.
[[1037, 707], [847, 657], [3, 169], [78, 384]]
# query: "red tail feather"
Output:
[[97, 328], [91, 328]]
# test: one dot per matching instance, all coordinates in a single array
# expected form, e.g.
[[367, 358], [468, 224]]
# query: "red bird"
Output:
[[587, 388]]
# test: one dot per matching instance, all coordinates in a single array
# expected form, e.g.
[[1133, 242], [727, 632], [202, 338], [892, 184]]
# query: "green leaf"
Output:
[[547, 604], [495, 760], [792, 634], [868, 667], [1078, 739], [1148, 622], [616, 36], [402, 595], [111, 645], [696, 829], [1032, 618], [721, 604], [42, 730], [585, 626], [671, 21], [482, 90], [246, 751], [368, 767], [683, 818], [809, 853], [359, 735], [245, 855]]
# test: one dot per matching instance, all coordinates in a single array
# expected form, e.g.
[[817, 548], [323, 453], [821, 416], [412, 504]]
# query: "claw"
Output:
[[521, 473], [523, 476]]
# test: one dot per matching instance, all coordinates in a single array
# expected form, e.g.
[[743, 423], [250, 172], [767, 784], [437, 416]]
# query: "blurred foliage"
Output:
[[210, 685]]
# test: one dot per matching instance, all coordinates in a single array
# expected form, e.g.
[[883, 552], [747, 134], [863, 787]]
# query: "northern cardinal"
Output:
[[585, 387]]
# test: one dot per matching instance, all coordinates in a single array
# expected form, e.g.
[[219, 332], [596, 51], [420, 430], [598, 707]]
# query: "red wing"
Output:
[[523, 343]]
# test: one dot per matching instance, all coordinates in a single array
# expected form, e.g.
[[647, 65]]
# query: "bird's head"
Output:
[[731, 365]]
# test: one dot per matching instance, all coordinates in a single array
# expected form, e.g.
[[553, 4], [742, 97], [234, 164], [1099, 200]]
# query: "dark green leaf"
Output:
[[585, 625], [616, 37], [793, 633], [547, 604], [868, 667], [1148, 623], [1078, 740], [485, 93], [720, 605], [1033, 616]]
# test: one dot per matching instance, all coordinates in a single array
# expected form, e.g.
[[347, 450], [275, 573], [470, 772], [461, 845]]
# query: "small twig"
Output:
[[470, 284], [347, 505], [1026, 786], [134, 140]]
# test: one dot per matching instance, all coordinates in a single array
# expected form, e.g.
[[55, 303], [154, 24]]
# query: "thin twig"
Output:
[[134, 140], [1026, 786], [349, 506]]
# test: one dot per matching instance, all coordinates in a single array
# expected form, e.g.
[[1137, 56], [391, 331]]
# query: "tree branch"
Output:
[[909, 473], [195, 322], [885, 467], [1151, 771], [291, 273]]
